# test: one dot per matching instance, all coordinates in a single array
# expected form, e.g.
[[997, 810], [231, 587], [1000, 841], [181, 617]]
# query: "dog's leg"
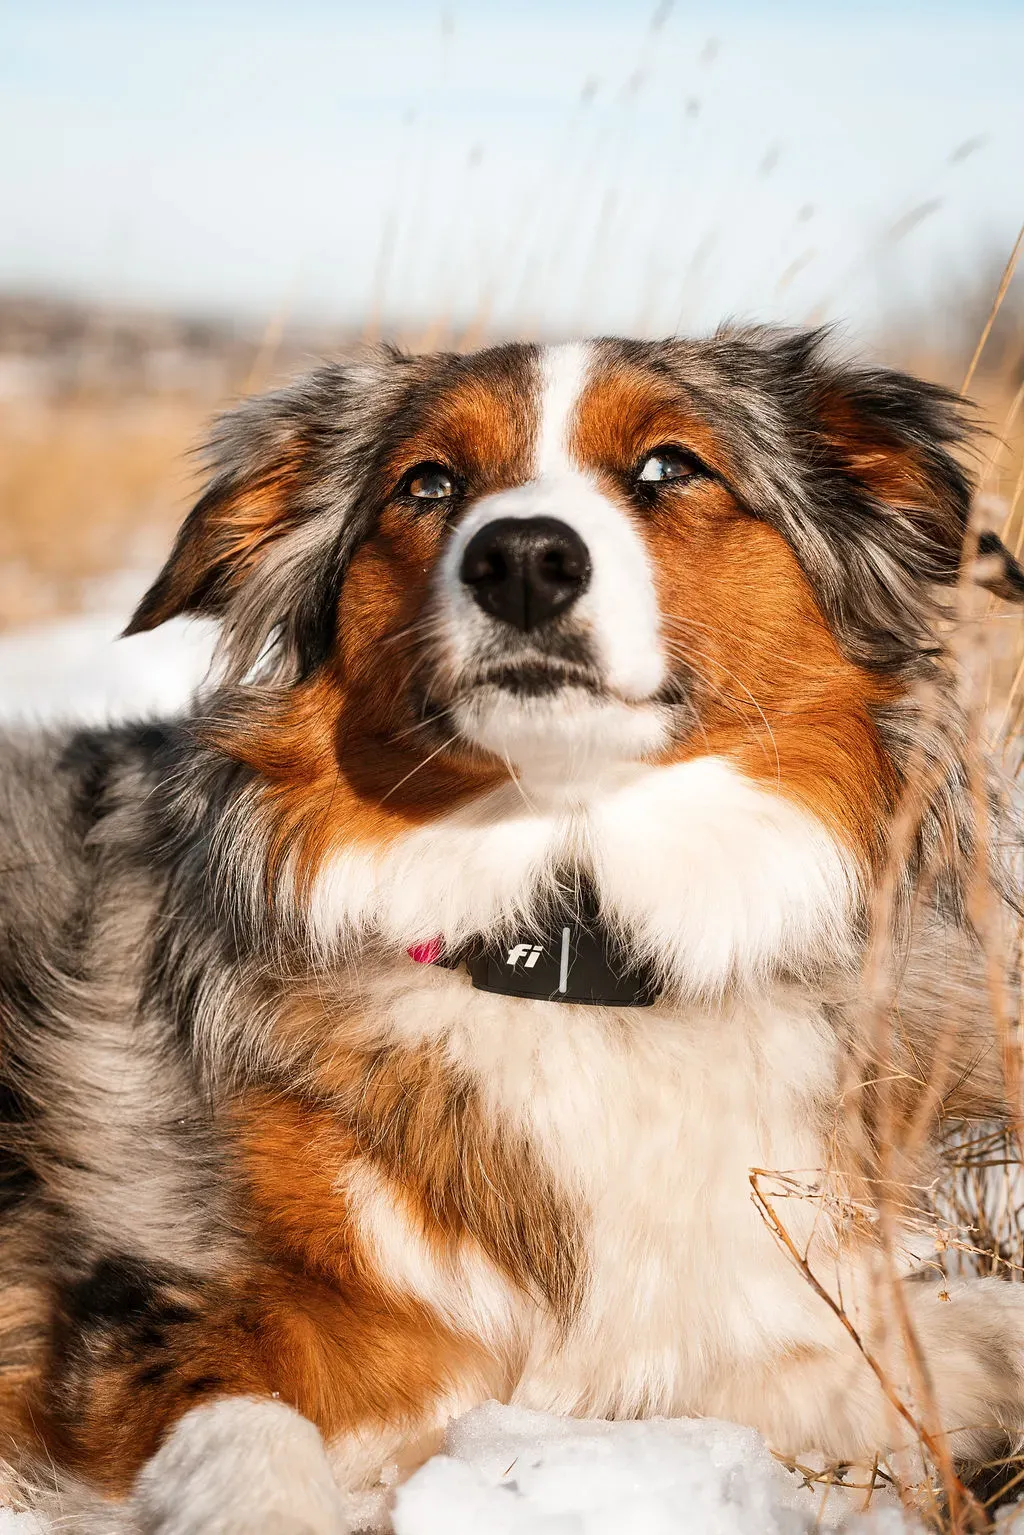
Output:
[[213, 1402], [237, 1466], [827, 1398], [971, 1336]]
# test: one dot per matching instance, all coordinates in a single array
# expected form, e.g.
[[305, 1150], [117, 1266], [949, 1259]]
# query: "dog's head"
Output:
[[554, 563]]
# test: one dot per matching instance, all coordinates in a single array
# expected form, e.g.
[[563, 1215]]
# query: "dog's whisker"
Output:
[[445, 746], [735, 703]]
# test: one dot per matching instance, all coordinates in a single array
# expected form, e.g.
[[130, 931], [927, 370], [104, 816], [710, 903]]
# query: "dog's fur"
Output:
[[276, 1200]]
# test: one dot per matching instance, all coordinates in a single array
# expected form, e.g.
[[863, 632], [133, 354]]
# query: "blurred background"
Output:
[[197, 197]]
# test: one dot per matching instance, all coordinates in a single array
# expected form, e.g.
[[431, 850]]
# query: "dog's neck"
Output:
[[715, 878], [563, 952]]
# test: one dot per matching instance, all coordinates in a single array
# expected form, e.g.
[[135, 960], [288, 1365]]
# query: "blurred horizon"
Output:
[[575, 166]]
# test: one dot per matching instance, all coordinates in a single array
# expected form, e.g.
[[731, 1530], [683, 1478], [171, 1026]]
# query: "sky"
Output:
[[573, 165]]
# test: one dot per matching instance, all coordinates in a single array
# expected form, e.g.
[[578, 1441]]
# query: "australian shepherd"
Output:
[[423, 1017]]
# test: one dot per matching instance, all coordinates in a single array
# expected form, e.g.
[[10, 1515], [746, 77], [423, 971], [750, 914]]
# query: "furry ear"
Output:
[[250, 501], [895, 439], [288, 499], [865, 472], [898, 437], [265, 548]]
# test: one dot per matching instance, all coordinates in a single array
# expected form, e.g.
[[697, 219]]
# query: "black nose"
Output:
[[525, 570]]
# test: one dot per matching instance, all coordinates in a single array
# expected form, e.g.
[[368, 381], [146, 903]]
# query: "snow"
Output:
[[504, 1471], [20, 1524], [80, 669], [512, 1472]]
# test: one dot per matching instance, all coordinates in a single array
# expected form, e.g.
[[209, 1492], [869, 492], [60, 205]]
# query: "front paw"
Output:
[[241, 1466]]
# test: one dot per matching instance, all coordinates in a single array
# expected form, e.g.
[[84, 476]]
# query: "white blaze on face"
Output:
[[620, 605], [617, 614]]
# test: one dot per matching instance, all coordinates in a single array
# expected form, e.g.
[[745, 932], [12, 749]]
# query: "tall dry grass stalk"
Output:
[[969, 1219], [87, 489]]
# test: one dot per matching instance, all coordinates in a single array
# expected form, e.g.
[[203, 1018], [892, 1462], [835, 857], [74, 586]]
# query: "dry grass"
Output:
[[87, 489], [96, 466], [971, 1218]]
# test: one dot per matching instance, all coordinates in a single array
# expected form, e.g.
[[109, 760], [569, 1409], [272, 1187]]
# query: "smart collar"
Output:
[[565, 955]]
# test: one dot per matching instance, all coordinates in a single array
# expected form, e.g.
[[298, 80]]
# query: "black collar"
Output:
[[566, 955]]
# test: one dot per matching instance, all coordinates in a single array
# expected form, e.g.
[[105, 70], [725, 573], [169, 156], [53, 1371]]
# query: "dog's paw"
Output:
[[240, 1467]]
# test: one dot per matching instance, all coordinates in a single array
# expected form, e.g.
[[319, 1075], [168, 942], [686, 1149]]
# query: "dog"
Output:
[[416, 1020]]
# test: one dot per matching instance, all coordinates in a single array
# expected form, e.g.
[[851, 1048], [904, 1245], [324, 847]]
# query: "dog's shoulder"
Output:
[[56, 787]]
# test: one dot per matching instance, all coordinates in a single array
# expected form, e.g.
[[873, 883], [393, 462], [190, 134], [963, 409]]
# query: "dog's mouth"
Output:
[[549, 653], [538, 677], [553, 714]]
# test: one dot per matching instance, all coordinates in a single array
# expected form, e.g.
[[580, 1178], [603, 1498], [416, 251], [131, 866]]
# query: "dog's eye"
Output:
[[429, 482], [667, 464]]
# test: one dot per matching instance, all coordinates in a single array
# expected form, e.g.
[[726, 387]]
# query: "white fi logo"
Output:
[[531, 952]]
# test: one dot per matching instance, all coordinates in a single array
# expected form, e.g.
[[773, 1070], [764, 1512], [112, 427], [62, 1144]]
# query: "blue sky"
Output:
[[557, 166]]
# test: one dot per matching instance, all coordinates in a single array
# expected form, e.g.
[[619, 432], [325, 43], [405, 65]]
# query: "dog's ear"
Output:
[[902, 439], [898, 443], [265, 549], [251, 499]]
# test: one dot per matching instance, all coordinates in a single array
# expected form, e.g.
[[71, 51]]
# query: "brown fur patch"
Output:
[[463, 1178], [895, 473], [774, 693], [314, 1321], [335, 772], [348, 756], [623, 413], [25, 1315], [343, 1357], [292, 1154], [218, 544], [482, 426]]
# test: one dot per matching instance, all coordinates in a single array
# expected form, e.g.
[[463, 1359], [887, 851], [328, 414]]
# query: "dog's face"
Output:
[[542, 636], [554, 563], [579, 581]]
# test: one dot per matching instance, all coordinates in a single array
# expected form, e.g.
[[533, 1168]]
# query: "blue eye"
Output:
[[429, 482], [666, 465]]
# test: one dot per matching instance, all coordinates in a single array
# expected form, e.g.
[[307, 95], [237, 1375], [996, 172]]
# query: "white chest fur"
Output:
[[719, 879], [650, 1121]]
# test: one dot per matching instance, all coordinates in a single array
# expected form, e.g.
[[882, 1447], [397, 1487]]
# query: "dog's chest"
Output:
[[684, 1279], [650, 1124]]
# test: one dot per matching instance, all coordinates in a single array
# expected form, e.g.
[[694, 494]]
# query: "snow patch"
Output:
[[80, 670], [513, 1472], [20, 1524]]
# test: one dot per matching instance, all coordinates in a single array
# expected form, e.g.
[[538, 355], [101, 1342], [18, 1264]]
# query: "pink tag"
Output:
[[427, 953]]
